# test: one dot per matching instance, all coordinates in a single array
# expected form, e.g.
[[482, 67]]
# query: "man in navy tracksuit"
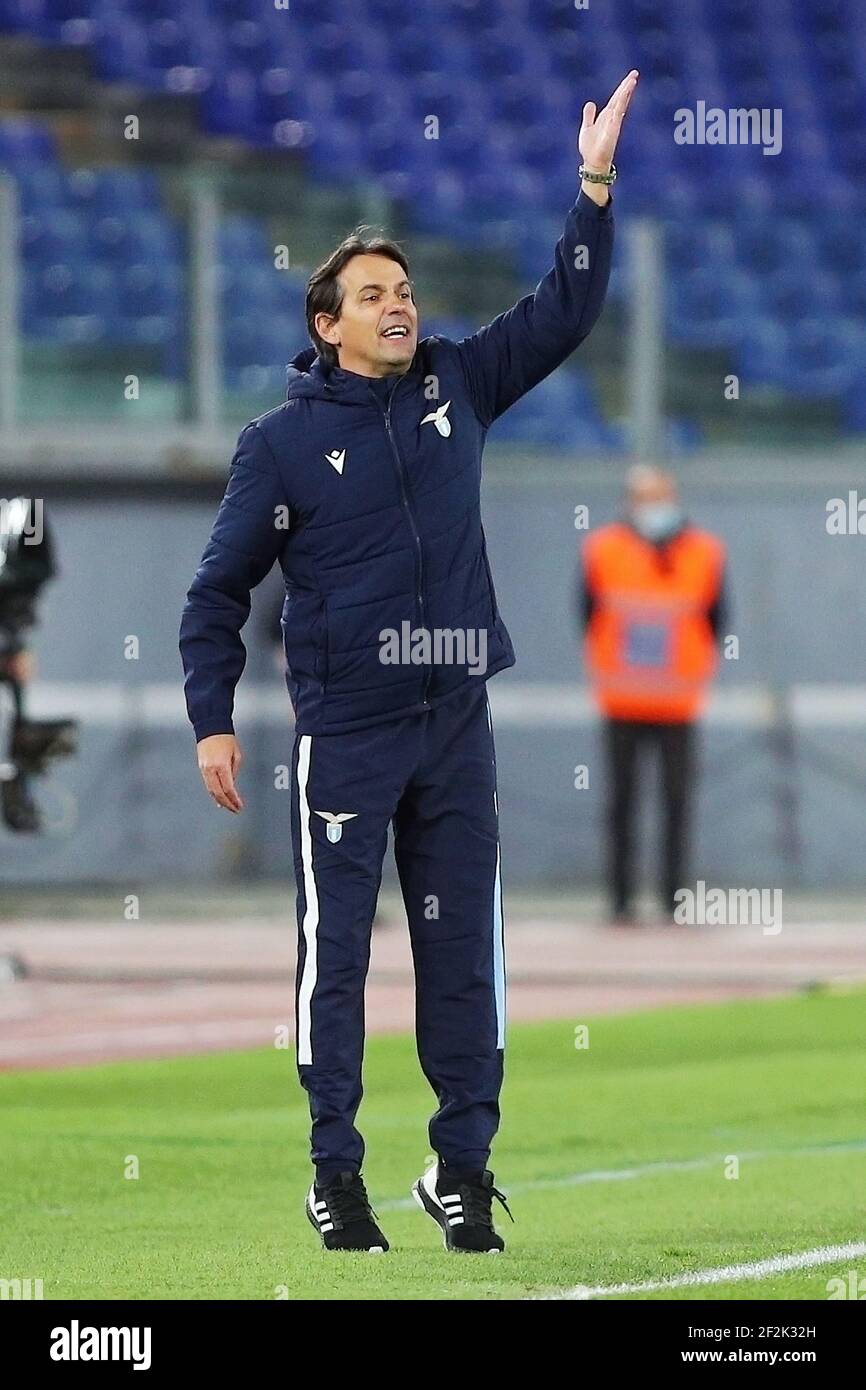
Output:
[[365, 485]]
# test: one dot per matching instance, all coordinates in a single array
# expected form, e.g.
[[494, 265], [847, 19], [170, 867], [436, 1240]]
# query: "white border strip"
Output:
[[726, 1274], [644, 1170], [516, 704]]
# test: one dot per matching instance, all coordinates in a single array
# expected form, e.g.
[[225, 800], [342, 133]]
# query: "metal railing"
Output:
[[202, 436]]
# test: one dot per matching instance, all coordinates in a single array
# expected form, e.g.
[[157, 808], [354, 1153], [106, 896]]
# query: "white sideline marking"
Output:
[[758, 1269], [516, 704], [642, 1170]]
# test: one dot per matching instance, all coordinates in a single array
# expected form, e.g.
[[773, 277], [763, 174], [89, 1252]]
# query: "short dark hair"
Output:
[[324, 291]]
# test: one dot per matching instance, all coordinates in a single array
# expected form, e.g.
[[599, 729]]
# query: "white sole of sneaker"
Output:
[[424, 1192], [311, 1217], [428, 1202]]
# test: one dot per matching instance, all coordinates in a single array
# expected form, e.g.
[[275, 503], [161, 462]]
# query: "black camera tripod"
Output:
[[33, 745]]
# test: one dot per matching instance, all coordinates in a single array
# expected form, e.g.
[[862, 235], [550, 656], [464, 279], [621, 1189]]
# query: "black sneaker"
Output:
[[462, 1206], [340, 1211]]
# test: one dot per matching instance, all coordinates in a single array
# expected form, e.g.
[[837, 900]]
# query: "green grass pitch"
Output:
[[614, 1159]]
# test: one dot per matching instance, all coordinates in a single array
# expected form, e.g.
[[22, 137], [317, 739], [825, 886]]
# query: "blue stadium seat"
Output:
[[695, 244], [560, 412], [752, 250], [855, 404], [790, 295], [112, 191], [144, 236], [54, 235], [24, 143], [40, 189], [707, 307], [255, 354], [815, 357], [229, 104], [241, 238], [766, 245], [337, 147], [825, 356], [67, 303]]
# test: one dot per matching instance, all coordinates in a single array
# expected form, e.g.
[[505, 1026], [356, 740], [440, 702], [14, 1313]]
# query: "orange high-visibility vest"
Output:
[[649, 645]]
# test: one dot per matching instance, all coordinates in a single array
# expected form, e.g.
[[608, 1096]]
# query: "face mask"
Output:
[[657, 521]]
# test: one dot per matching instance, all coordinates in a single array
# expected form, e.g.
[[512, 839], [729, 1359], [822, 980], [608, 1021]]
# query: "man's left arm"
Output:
[[525, 344], [719, 611]]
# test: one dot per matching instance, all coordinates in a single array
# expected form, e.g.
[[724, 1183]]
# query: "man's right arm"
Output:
[[247, 537]]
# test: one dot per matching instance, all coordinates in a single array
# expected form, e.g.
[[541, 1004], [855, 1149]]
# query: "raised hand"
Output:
[[599, 133]]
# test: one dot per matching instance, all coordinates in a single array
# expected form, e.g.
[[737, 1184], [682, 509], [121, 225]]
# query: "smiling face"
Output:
[[375, 332]]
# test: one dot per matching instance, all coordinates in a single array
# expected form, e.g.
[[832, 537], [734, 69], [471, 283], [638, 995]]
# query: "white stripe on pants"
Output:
[[311, 908]]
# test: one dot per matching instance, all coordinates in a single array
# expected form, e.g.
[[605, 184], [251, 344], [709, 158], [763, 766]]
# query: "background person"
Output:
[[653, 609]]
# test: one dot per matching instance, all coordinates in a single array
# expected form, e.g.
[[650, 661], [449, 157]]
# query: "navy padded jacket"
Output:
[[391, 535]]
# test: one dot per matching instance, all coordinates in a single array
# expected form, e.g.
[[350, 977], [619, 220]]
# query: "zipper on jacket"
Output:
[[407, 505]]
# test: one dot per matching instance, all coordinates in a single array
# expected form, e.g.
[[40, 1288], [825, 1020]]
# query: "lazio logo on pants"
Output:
[[335, 821]]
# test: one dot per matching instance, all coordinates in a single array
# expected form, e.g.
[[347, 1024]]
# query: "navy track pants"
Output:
[[433, 776]]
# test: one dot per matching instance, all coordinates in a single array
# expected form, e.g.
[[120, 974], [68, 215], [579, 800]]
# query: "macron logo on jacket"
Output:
[[400, 540]]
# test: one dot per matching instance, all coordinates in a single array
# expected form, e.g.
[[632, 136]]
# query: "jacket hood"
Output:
[[309, 375], [306, 374]]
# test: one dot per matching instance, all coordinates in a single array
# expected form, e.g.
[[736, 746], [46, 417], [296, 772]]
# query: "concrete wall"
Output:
[[131, 809]]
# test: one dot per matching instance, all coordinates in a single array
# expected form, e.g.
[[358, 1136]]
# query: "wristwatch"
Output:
[[591, 177]]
